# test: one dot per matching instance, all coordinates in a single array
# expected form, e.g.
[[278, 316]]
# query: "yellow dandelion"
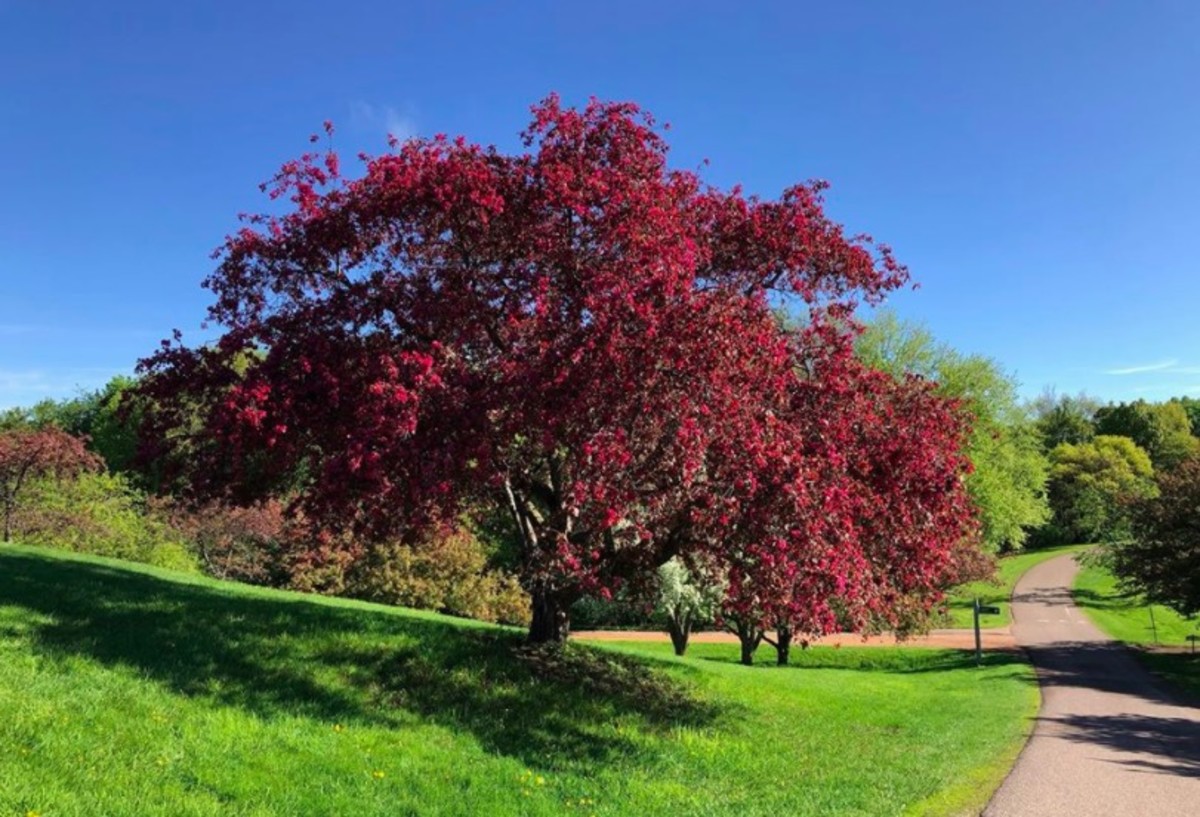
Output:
[[541, 781], [337, 727], [378, 775]]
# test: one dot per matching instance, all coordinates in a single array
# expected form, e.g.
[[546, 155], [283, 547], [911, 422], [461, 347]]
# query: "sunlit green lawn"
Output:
[[1128, 618], [959, 604], [131, 691]]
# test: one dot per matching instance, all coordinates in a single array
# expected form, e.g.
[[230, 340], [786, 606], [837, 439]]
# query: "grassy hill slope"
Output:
[[132, 691]]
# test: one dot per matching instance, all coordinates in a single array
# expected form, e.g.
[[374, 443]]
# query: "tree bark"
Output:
[[680, 631], [750, 637], [551, 618], [783, 646]]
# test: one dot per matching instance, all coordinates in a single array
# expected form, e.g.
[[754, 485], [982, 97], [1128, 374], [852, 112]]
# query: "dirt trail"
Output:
[[999, 638]]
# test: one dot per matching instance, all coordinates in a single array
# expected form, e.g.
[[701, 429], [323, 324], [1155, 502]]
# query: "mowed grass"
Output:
[[1126, 617], [132, 691], [960, 603]]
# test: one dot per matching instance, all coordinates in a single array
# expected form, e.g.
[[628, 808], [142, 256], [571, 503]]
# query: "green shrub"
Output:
[[101, 514], [446, 570]]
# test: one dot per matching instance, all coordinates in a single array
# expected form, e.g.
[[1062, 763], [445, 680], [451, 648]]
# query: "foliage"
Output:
[[445, 570], [1162, 558], [130, 692], [1008, 480], [1090, 486], [239, 544], [1124, 613], [895, 532], [1064, 419], [1191, 407], [319, 560], [100, 514], [28, 454], [576, 336], [626, 609], [111, 424], [1162, 429], [107, 419], [684, 598], [260, 544]]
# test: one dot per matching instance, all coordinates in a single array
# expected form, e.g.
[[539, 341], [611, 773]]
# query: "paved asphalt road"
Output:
[[1109, 741]]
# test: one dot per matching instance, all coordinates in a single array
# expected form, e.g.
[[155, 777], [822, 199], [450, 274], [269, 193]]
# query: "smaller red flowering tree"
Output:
[[30, 453], [870, 538]]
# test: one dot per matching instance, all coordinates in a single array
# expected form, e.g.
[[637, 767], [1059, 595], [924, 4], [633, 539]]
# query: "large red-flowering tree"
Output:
[[575, 333], [31, 453]]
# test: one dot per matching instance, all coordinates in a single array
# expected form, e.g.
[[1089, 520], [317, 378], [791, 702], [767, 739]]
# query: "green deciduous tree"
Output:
[[1091, 484], [1163, 430], [1010, 470], [1191, 407], [1064, 418], [1162, 559]]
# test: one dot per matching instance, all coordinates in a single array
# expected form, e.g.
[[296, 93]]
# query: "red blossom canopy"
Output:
[[578, 334]]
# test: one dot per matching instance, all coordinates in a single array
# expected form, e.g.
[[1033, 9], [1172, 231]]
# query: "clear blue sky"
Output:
[[1034, 163]]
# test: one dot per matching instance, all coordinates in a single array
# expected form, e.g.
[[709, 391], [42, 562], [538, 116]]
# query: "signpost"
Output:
[[985, 610]]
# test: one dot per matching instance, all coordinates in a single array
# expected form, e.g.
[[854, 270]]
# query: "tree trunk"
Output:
[[783, 645], [750, 637], [8, 521], [748, 648], [679, 630], [551, 618]]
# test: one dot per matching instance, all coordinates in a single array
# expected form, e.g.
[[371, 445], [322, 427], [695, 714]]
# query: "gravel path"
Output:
[[1109, 740]]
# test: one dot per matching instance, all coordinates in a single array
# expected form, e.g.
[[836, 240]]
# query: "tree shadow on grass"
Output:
[[290, 656], [1105, 601]]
